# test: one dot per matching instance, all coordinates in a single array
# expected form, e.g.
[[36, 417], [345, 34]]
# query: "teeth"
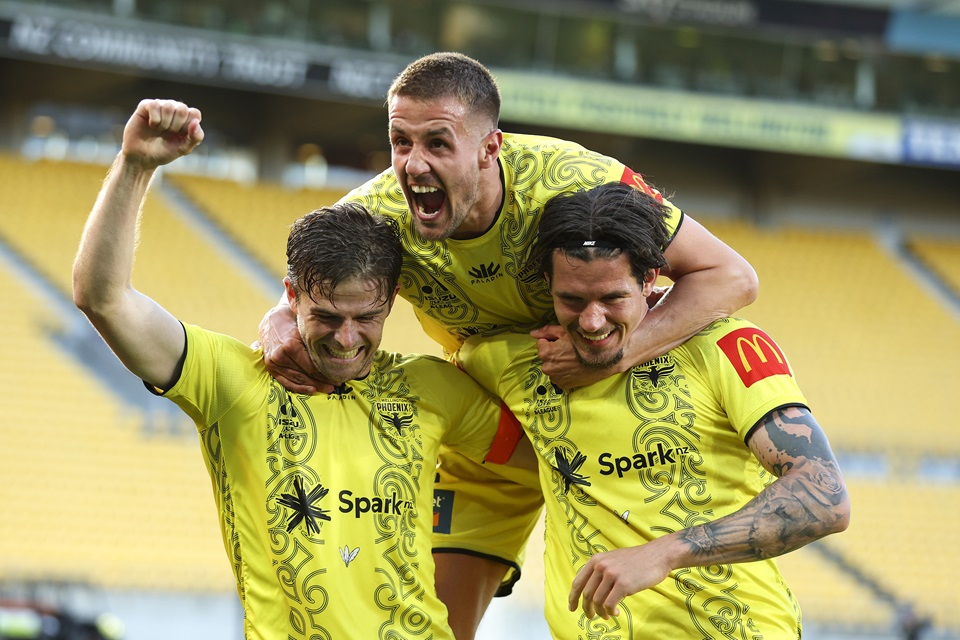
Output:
[[596, 338], [416, 188], [343, 355]]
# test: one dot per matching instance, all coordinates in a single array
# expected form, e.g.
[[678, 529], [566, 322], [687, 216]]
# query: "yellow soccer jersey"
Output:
[[645, 453], [326, 501], [461, 288]]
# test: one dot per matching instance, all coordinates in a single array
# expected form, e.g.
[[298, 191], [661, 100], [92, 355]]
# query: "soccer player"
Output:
[[325, 501], [670, 487], [467, 198]]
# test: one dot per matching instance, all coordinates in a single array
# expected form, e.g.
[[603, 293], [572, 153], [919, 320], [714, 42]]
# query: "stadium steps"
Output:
[[940, 258]]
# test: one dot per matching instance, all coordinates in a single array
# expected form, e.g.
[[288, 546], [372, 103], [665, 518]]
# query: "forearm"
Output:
[[104, 263], [806, 504], [693, 302], [147, 339]]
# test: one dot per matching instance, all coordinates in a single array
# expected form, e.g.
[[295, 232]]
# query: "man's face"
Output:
[[437, 150], [600, 304], [342, 336]]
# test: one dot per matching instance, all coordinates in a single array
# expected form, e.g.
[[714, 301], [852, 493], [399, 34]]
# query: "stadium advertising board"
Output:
[[195, 56], [699, 118], [931, 142]]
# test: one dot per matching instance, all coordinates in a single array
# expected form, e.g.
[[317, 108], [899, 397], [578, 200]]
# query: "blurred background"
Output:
[[819, 139]]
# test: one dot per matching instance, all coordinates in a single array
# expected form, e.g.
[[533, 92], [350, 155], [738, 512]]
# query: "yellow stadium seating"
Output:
[[942, 255], [873, 352], [91, 491]]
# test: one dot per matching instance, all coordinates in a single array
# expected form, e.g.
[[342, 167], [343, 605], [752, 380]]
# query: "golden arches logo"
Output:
[[753, 343], [753, 354]]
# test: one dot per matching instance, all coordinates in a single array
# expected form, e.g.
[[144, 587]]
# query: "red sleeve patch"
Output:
[[753, 354], [636, 181], [508, 435]]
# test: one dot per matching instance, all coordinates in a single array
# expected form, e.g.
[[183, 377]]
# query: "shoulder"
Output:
[[738, 344], [489, 357], [518, 143], [380, 194], [429, 374]]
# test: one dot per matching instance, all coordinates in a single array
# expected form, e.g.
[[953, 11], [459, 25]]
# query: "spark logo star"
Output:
[[301, 503]]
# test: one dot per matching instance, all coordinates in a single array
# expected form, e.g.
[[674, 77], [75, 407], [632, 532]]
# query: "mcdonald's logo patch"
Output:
[[753, 354], [635, 180]]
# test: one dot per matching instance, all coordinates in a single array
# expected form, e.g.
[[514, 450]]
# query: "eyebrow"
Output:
[[439, 131]]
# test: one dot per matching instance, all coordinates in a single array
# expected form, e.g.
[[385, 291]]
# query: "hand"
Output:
[[160, 131], [611, 576], [560, 361], [285, 355]]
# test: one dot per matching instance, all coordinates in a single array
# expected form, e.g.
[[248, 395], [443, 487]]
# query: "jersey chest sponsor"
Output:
[[621, 464], [485, 272], [358, 505]]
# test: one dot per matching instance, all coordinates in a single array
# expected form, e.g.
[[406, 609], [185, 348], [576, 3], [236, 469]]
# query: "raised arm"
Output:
[[711, 281], [808, 501], [147, 339]]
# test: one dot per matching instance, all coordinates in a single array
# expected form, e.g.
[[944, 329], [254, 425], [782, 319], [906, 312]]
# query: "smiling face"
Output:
[[600, 304], [445, 160], [342, 333]]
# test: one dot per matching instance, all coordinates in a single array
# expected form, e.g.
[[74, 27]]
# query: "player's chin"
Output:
[[435, 229], [599, 358]]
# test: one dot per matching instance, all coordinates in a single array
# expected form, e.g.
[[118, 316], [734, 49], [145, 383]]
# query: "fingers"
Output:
[[548, 332], [173, 117], [597, 591], [169, 115]]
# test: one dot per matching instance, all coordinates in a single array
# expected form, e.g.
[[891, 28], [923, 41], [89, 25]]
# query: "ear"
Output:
[[490, 148], [393, 299], [650, 281], [291, 294]]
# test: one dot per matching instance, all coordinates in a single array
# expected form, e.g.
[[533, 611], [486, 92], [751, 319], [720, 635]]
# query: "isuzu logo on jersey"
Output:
[[753, 354]]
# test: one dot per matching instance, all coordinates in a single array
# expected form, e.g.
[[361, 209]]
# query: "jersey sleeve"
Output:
[[217, 371], [753, 374], [486, 509], [472, 414], [635, 180]]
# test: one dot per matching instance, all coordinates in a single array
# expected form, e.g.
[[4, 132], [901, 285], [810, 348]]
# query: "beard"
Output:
[[597, 363]]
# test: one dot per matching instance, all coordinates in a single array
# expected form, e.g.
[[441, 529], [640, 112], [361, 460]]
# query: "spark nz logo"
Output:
[[485, 273], [303, 509], [641, 460], [569, 468], [358, 505]]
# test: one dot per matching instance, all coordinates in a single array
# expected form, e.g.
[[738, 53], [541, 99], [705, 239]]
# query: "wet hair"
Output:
[[603, 222], [339, 243], [444, 74]]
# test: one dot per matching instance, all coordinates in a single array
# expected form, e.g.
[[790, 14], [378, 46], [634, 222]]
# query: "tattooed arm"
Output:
[[807, 501]]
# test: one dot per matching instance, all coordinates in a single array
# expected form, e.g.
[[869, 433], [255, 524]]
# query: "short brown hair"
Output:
[[444, 74], [333, 244]]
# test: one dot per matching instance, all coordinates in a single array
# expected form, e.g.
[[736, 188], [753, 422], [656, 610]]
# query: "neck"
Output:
[[486, 208]]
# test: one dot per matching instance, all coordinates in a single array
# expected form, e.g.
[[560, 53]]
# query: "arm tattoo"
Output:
[[807, 502]]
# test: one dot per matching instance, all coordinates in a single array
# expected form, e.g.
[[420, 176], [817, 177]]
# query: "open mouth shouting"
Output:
[[427, 201]]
